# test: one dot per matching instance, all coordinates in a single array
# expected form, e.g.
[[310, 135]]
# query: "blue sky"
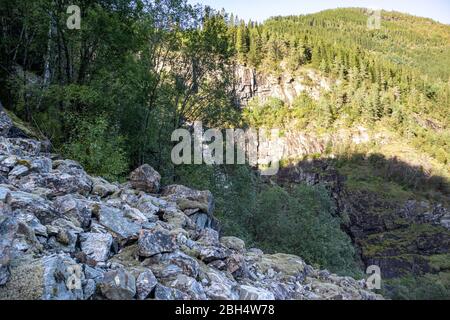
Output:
[[262, 9]]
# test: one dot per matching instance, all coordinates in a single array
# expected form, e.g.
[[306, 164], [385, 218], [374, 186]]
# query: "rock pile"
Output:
[[67, 235]]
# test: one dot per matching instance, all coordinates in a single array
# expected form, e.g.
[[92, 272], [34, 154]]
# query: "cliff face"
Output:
[[285, 86], [408, 237], [67, 235]]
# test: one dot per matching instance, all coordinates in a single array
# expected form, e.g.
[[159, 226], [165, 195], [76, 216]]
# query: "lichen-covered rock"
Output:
[[146, 179], [187, 198], [54, 277], [118, 285], [75, 208], [166, 293], [218, 286], [34, 204], [102, 188], [96, 245], [145, 283], [252, 293], [114, 220], [189, 286], [177, 261], [233, 243], [156, 240]]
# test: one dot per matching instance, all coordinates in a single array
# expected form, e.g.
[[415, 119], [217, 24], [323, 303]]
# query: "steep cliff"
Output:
[[285, 86]]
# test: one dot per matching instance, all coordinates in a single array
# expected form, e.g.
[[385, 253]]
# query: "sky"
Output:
[[259, 10]]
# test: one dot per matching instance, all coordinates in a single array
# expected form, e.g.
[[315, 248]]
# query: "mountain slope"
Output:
[[364, 114]]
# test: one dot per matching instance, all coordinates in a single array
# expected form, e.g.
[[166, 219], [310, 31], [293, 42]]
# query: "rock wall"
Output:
[[285, 86], [67, 235], [402, 237]]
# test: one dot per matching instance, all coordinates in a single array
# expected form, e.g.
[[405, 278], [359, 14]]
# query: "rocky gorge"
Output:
[[66, 235]]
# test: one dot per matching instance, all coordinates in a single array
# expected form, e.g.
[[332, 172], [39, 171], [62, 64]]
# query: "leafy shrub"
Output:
[[98, 148], [302, 223], [428, 287]]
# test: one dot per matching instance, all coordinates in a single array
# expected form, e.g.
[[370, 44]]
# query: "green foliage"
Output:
[[98, 148], [303, 223], [428, 287]]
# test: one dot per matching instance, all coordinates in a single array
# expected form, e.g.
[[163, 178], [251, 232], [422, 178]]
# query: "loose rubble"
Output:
[[67, 235]]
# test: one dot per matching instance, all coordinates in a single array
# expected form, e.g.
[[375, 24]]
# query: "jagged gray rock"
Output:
[[118, 285], [96, 245], [156, 240], [145, 178], [145, 283]]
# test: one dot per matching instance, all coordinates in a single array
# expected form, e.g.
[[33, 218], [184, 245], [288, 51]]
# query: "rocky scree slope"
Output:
[[67, 235]]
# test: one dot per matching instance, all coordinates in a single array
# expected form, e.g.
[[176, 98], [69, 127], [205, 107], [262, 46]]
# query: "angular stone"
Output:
[[63, 235], [145, 283], [102, 188], [34, 204], [19, 147], [146, 205], [209, 237], [219, 287], [75, 208], [89, 288], [252, 293], [212, 253], [189, 286], [114, 220], [18, 172], [165, 293], [203, 220], [54, 277], [118, 285], [187, 198], [41, 165], [184, 263], [157, 240], [96, 245], [233, 243], [146, 179], [287, 265]]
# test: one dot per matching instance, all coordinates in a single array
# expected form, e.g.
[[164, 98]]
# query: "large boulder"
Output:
[[114, 220], [96, 245], [233, 243], [54, 277], [118, 285], [178, 261], [75, 208], [165, 293], [33, 204], [102, 188], [190, 200], [146, 179], [145, 283], [156, 240], [219, 286], [253, 293], [189, 286]]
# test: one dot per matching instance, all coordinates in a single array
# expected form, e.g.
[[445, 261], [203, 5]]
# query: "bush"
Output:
[[428, 287], [302, 223], [98, 148]]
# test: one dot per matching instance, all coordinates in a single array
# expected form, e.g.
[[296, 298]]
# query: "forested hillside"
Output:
[[110, 95]]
